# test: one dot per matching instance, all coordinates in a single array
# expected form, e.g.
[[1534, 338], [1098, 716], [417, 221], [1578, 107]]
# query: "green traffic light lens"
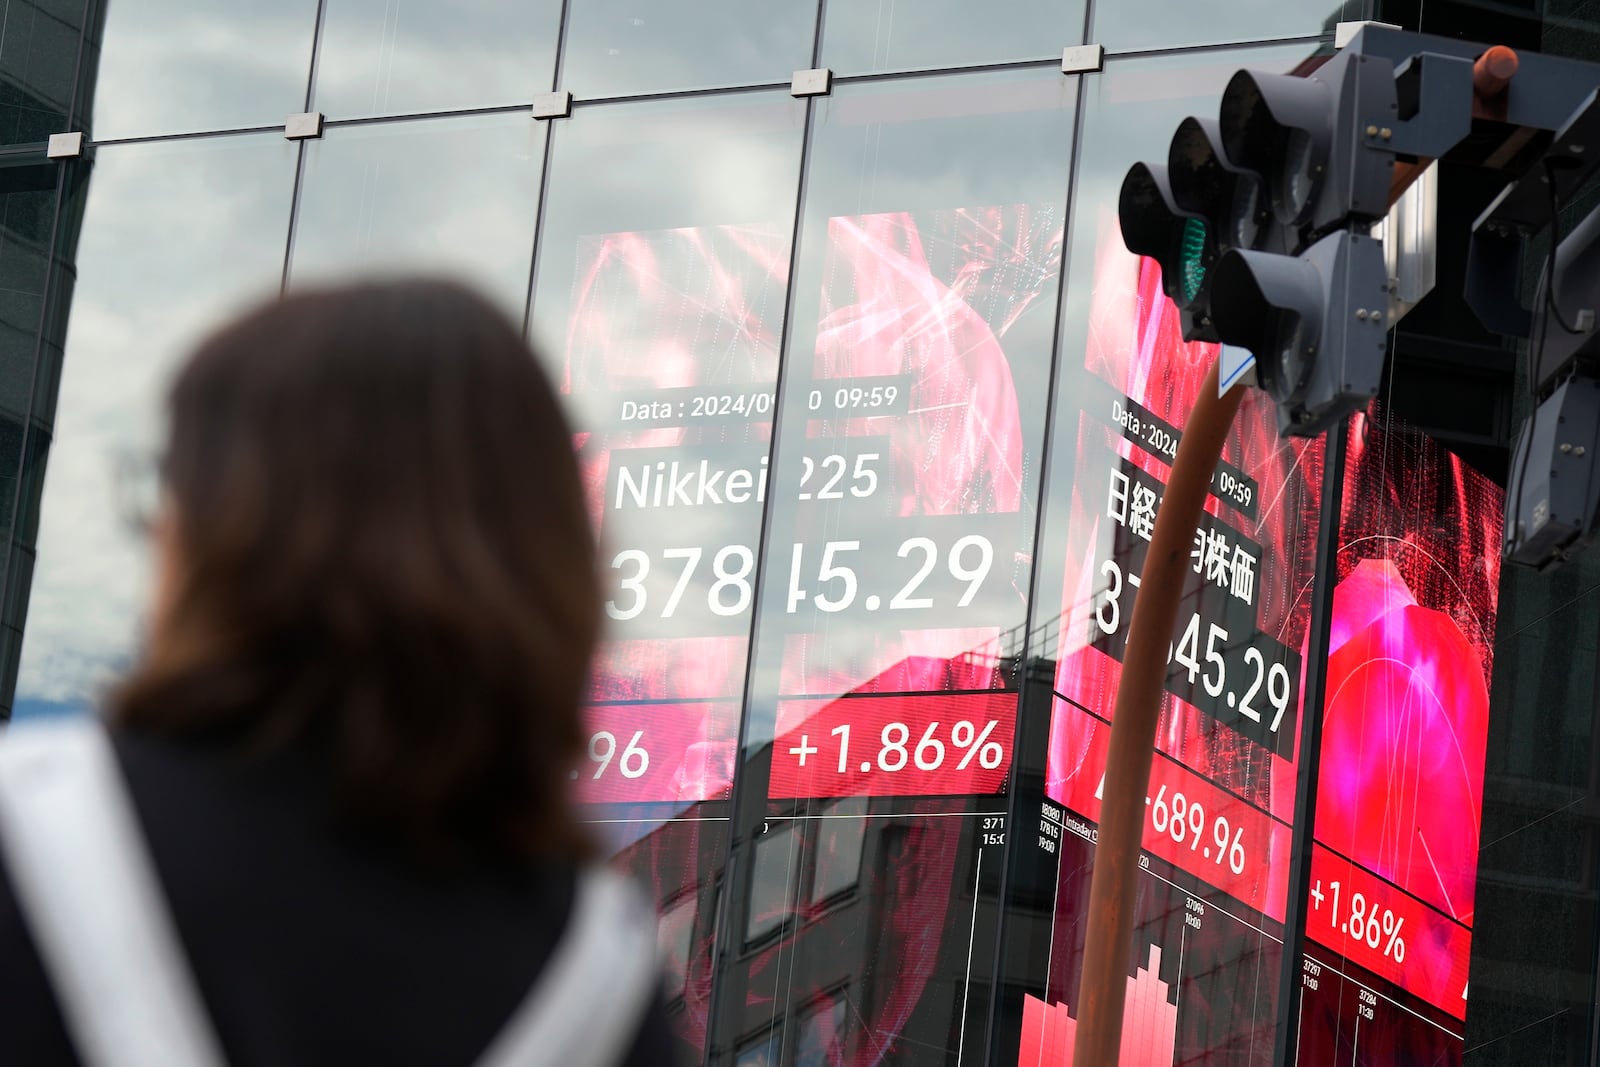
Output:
[[1193, 258]]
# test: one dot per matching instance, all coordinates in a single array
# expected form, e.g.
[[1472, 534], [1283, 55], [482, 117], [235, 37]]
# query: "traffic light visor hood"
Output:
[[1279, 127], [1205, 182], [1153, 225], [1270, 305]]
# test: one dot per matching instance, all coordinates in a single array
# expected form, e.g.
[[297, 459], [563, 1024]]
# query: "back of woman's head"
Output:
[[380, 552]]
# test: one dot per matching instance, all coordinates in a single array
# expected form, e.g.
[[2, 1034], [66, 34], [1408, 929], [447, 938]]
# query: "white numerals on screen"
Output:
[[728, 594], [633, 762], [1201, 651], [833, 584], [831, 470], [1277, 679], [896, 751], [1185, 822]]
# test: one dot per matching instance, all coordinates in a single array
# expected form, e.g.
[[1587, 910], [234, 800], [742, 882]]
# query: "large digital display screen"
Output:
[[1220, 808], [892, 600], [1405, 724], [1403, 728]]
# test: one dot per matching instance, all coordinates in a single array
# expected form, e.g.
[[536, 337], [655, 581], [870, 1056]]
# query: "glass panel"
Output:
[[1213, 888], [617, 47], [455, 196], [384, 57], [1131, 25], [676, 934], [659, 304], [179, 66], [772, 884], [903, 504], [840, 836], [27, 210], [763, 1051], [1404, 732], [38, 54], [1534, 939], [821, 1040], [175, 235], [869, 35]]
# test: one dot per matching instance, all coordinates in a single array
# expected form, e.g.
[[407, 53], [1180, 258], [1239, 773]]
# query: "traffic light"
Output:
[[1322, 144], [1154, 225], [1317, 323], [1261, 220], [1552, 498]]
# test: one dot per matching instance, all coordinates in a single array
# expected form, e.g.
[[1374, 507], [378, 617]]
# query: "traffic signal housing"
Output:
[[1317, 324], [1261, 222]]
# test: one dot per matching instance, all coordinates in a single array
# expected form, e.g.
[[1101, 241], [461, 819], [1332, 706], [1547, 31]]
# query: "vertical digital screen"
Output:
[[1399, 800], [1213, 882], [676, 382], [904, 551]]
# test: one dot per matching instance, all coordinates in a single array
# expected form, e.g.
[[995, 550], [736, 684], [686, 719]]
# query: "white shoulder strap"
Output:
[[78, 865], [85, 882], [585, 1008]]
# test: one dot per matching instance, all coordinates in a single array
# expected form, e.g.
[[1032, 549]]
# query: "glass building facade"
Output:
[[874, 409]]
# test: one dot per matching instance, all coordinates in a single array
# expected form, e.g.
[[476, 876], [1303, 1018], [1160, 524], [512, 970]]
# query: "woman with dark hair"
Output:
[[327, 821]]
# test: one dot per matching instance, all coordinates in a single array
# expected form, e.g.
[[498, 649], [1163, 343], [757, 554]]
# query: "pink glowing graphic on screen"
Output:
[[1149, 1025], [900, 297], [1403, 740], [1410, 656]]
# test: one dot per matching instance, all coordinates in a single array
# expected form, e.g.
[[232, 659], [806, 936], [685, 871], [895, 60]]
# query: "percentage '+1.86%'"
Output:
[[896, 752], [1367, 922]]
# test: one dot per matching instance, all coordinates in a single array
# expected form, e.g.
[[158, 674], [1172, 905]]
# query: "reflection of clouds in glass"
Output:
[[1129, 24], [455, 196], [614, 47], [177, 66], [174, 237], [379, 57], [871, 35]]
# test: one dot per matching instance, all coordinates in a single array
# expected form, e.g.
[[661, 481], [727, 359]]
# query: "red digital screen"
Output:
[[1404, 734]]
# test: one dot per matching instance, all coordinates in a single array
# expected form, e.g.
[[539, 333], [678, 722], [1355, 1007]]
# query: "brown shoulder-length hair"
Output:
[[382, 554]]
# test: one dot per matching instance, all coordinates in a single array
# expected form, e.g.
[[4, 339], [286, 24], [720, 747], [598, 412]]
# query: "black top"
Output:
[[310, 949]]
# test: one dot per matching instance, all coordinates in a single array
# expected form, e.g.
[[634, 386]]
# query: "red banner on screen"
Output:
[[893, 746], [1191, 823], [1389, 932], [657, 752]]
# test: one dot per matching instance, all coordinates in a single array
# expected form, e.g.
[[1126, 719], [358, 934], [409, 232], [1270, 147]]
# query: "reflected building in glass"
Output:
[[874, 410]]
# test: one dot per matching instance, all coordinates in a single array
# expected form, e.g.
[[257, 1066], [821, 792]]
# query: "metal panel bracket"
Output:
[[300, 127], [1083, 59], [556, 105], [815, 82], [1411, 244], [1345, 32], [65, 146]]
